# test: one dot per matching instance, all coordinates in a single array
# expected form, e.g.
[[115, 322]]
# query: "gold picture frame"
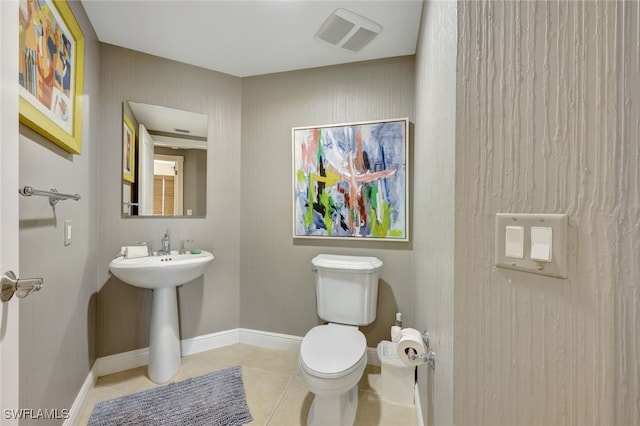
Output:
[[51, 72], [128, 149]]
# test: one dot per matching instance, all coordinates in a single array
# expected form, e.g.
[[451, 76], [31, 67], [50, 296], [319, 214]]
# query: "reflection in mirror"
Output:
[[164, 161]]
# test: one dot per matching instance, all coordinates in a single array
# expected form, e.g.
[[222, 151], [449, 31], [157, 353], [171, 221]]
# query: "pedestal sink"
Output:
[[162, 274]]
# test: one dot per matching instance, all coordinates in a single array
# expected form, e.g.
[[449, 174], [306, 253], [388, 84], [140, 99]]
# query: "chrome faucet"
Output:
[[166, 243], [182, 243]]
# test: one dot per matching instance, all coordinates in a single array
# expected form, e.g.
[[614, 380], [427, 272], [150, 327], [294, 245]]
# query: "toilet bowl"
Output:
[[332, 360]]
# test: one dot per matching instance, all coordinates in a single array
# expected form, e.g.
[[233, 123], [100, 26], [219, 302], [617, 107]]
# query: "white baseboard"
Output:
[[120, 362], [137, 358], [127, 360], [211, 341], [74, 411], [265, 339]]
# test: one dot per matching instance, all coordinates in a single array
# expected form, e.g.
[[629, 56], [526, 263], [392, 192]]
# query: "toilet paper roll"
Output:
[[411, 341]]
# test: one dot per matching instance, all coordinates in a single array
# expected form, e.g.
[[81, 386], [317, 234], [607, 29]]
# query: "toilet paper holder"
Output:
[[429, 356]]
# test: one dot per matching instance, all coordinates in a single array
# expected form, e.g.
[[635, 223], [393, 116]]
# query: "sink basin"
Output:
[[162, 274], [161, 271]]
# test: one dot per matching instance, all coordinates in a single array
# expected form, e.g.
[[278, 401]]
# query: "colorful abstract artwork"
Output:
[[350, 181]]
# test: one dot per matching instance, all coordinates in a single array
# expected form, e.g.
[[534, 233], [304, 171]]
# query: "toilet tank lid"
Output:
[[354, 263]]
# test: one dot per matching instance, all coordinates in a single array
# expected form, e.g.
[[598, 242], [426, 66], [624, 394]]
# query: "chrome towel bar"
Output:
[[53, 194]]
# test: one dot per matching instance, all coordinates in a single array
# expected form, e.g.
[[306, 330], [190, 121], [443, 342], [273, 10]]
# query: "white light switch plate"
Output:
[[557, 267], [67, 232]]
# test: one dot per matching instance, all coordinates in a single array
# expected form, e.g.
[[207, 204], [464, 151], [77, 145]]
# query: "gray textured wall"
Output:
[[544, 124], [57, 324], [434, 205], [277, 285], [625, 223], [210, 303]]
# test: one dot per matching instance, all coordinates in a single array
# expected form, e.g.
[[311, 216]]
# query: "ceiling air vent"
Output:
[[348, 30]]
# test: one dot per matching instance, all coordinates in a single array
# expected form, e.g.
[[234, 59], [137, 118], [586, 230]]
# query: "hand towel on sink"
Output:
[[131, 252]]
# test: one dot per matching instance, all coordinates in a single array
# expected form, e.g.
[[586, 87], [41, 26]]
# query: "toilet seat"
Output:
[[332, 350]]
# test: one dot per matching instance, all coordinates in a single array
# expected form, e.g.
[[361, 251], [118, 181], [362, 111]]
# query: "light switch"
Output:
[[533, 242], [67, 232], [514, 242], [541, 243]]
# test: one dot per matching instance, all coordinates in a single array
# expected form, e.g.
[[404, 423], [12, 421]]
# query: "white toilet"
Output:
[[334, 356]]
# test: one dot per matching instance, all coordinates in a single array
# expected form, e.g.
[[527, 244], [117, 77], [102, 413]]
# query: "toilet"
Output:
[[334, 356]]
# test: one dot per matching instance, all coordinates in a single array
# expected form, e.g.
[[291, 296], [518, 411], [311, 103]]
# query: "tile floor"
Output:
[[276, 394]]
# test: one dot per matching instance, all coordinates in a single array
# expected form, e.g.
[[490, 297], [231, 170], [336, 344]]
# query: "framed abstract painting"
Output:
[[350, 181], [51, 71]]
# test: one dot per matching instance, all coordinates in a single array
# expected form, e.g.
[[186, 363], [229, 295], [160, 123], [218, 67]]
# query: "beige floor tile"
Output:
[[276, 394], [264, 390], [370, 378], [96, 395], [193, 366], [285, 362], [374, 411], [294, 407], [228, 355], [127, 382]]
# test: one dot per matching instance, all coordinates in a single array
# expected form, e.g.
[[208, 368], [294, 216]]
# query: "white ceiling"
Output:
[[246, 38], [168, 121]]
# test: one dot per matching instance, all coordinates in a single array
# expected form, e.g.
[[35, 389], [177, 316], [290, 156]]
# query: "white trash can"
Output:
[[397, 381]]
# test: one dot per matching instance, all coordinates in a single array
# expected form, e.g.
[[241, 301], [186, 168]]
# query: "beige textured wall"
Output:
[[434, 203], [57, 324], [544, 125], [277, 284], [211, 303], [625, 226]]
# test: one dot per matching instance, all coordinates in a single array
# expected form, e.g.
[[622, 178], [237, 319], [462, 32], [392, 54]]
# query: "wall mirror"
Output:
[[164, 161]]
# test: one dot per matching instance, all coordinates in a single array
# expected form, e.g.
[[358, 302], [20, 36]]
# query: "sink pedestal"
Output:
[[164, 337], [162, 274]]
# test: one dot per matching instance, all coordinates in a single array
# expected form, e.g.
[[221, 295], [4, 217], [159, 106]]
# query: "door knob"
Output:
[[23, 288]]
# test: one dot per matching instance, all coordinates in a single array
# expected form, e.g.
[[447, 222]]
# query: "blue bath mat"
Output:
[[215, 399]]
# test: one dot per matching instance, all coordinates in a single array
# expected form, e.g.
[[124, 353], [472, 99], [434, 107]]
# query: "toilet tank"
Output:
[[347, 288]]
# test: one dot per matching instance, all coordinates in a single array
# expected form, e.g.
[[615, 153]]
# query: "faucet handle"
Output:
[[148, 245], [182, 242]]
